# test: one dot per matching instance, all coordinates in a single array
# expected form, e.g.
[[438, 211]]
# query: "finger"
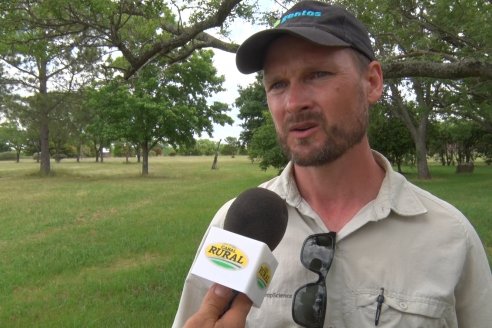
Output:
[[235, 317], [213, 305]]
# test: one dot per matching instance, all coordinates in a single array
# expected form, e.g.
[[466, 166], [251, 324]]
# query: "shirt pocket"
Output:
[[399, 310]]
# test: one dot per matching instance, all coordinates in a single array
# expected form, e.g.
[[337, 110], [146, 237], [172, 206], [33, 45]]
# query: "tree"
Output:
[[231, 146], [123, 148], [200, 147], [251, 103], [443, 40], [48, 40], [437, 39], [442, 142], [258, 133], [416, 115], [440, 40], [141, 31], [80, 119], [109, 120], [388, 135], [163, 105], [205, 147], [14, 137], [467, 136], [461, 141], [470, 99], [264, 146], [484, 147], [39, 59]]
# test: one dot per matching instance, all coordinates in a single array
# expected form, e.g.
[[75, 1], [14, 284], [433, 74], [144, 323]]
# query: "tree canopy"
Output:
[[436, 63], [439, 50], [167, 106], [60, 45]]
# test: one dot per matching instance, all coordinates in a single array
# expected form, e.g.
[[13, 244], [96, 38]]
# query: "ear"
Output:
[[374, 79]]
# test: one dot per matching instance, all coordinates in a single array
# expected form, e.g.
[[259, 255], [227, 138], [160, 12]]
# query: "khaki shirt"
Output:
[[420, 249]]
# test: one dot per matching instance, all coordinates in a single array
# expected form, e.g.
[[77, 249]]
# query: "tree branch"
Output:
[[184, 36], [457, 70]]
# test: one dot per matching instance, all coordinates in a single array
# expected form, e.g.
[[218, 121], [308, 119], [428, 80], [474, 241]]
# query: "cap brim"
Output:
[[251, 54]]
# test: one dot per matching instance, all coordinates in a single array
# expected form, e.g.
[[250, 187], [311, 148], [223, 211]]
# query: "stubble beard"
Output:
[[337, 139]]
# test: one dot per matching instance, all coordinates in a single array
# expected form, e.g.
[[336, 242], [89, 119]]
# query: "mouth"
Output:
[[303, 129]]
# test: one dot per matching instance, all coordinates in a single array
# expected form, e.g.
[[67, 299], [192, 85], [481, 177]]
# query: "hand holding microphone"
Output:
[[239, 257], [211, 313]]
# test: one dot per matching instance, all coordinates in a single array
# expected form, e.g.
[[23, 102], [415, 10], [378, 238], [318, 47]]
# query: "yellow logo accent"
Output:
[[226, 256], [264, 276]]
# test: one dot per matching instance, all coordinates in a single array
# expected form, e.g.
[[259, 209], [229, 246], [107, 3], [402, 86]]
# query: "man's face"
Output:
[[317, 98]]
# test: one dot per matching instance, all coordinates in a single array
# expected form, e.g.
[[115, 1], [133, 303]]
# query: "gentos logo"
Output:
[[302, 13], [226, 256], [263, 276]]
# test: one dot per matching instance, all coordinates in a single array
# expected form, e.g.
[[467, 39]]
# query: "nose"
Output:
[[297, 98]]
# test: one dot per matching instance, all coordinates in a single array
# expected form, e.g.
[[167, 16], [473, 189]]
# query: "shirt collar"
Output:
[[396, 193]]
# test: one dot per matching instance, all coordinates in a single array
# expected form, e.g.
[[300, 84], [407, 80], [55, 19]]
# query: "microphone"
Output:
[[240, 255], [259, 214]]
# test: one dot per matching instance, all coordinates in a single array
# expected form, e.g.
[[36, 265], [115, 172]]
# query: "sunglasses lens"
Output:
[[317, 253], [309, 305]]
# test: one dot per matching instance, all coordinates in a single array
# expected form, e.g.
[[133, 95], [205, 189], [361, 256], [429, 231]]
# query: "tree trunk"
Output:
[[101, 153], [398, 164], [422, 165], [79, 150], [145, 158], [419, 132], [44, 131], [96, 152], [214, 164], [127, 153]]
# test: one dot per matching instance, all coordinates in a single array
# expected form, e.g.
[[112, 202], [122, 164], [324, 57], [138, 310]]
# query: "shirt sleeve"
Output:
[[474, 290], [193, 292]]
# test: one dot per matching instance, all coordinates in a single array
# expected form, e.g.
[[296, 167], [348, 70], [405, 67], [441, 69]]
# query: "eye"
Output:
[[277, 85], [318, 75]]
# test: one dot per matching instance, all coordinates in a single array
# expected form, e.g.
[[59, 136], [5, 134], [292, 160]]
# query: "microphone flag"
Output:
[[235, 261]]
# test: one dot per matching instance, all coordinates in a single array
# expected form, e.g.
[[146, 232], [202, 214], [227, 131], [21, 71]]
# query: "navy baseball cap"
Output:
[[314, 21]]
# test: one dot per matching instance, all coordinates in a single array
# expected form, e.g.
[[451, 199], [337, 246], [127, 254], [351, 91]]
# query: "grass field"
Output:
[[97, 245]]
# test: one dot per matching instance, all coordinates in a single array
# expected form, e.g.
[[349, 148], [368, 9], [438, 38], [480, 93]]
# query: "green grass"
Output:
[[97, 245]]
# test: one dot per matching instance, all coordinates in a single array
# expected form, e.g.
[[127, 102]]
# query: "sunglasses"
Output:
[[309, 303]]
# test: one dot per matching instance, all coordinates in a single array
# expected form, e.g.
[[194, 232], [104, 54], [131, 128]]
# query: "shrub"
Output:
[[59, 157], [8, 156]]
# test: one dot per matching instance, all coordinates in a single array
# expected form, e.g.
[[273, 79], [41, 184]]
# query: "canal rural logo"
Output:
[[226, 256], [263, 276]]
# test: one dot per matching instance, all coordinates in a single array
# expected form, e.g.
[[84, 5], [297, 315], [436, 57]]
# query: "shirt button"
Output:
[[403, 305]]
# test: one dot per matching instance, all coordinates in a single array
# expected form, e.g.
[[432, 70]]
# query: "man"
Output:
[[401, 257]]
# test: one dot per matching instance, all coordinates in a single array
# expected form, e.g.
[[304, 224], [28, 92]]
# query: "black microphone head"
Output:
[[260, 214]]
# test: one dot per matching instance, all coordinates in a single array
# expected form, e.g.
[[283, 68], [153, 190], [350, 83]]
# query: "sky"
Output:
[[225, 63], [226, 66]]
